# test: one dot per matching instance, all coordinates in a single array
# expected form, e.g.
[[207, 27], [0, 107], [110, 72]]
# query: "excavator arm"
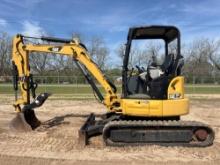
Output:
[[71, 48], [24, 85]]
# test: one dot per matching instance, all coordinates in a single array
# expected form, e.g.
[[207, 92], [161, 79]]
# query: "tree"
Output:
[[213, 49], [39, 62], [197, 63], [5, 54], [98, 51], [153, 48], [120, 51]]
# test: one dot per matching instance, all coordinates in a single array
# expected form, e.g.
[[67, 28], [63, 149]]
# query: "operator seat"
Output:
[[157, 71], [153, 82], [168, 63], [158, 85]]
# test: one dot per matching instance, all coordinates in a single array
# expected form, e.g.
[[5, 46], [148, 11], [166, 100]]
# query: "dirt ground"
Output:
[[58, 144]]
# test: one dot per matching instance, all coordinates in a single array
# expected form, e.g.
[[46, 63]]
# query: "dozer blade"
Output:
[[25, 121]]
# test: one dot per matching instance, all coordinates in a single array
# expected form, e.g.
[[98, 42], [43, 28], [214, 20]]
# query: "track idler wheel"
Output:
[[25, 121], [201, 134]]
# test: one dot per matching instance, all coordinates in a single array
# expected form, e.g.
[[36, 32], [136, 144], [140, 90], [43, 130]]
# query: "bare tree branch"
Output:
[[98, 51], [5, 54]]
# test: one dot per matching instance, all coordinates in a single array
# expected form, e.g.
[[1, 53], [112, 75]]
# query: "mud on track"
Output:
[[56, 142]]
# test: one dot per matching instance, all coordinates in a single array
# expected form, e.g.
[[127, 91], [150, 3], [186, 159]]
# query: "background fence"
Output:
[[74, 80], [77, 87]]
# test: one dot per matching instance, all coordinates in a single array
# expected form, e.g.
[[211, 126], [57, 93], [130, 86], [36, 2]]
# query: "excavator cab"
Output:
[[151, 81]]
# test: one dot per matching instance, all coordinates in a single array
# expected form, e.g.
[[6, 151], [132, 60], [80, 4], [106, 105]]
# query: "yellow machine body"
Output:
[[155, 108], [159, 108], [173, 106]]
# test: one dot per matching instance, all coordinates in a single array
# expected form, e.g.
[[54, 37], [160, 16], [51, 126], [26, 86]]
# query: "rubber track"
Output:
[[176, 124]]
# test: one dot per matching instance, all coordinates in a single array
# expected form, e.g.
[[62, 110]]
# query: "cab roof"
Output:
[[167, 33]]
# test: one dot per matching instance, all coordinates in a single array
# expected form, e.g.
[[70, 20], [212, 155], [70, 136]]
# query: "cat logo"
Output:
[[55, 49]]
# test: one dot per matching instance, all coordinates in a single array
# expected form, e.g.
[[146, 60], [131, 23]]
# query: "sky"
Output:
[[109, 19]]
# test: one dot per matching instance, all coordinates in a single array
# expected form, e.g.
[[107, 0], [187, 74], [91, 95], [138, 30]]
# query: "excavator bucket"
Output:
[[26, 120]]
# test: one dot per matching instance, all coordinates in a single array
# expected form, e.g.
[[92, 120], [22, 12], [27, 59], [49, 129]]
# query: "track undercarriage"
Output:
[[119, 131]]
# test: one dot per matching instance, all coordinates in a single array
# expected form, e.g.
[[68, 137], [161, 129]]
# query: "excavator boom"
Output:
[[22, 75]]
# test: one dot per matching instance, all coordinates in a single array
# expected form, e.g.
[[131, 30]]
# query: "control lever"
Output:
[[140, 70]]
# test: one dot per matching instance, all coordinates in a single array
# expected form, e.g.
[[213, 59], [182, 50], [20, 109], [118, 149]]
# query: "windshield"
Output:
[[143, 52]]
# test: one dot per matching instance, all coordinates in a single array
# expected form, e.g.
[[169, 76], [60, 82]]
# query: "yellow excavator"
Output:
[[147, 111]]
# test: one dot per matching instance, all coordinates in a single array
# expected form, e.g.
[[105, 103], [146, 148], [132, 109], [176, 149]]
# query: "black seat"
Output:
[[167, 63], [180, 65]]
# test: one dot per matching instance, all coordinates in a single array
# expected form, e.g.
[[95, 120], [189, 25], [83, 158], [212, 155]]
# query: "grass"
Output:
[[202, 89], [85, 90]]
